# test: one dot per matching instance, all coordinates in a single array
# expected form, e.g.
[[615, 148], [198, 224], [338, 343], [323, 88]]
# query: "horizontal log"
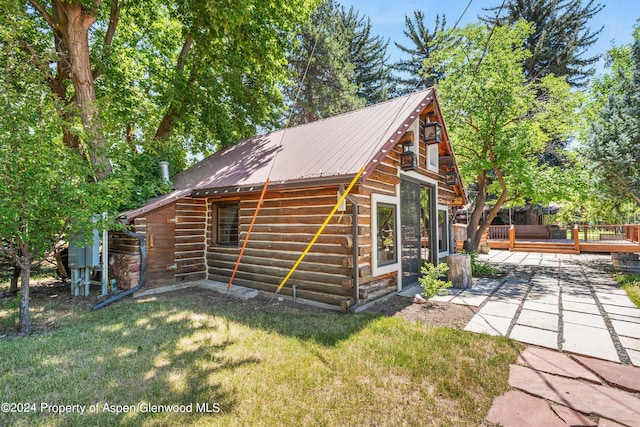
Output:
[[186, 226], [249, 262], [196, 268], [189, 239], [281, 271], [271, 283], [191, 219], [299, 247], [311, 257], [276, 237], [340, 218], [291, 229]]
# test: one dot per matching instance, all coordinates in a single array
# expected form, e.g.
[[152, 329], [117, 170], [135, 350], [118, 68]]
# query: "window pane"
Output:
[[228, 225], [443, 239], [386, 234]]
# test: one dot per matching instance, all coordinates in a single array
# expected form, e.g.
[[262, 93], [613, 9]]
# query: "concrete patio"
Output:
[[564, 302]]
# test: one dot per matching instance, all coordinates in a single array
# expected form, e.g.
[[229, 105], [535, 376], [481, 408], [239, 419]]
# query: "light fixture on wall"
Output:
[[451, 178], [432, 132], [408, 160]]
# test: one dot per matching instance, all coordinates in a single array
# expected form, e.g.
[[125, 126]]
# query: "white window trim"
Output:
[[442, 254], [433, 158], [387, 200]]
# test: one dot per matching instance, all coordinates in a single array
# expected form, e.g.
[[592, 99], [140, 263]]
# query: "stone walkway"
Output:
[[555, 389], [570, 305], [559, 301]]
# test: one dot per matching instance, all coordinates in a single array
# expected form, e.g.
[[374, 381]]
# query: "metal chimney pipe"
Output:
[[164, 171]]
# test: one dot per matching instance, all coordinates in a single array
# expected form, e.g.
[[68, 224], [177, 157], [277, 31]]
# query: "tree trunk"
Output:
[[74, 24], [25, 321], [13, 287]]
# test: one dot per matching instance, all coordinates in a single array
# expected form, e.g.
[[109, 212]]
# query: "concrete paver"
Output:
[[539, 319], [586, 319], [566, 303], [589, 341], [535, 336]]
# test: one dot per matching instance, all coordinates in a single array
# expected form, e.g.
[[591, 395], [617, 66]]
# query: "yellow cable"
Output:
[[335, 208]]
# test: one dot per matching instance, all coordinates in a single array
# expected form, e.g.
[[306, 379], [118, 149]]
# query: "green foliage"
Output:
[[481, 268], [560, 38], [497, 120], [612, 148], [368, 54], [324, 57], [430, 279], [412, 74]]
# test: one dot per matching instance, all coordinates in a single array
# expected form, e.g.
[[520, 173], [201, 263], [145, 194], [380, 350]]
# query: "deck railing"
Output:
[[499, 232], [609, 233]]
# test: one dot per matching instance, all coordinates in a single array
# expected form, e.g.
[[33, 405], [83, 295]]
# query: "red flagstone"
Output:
[[518, 409], [614, 374], [608, 423], [554, 362], [585, 397], [573, 418]]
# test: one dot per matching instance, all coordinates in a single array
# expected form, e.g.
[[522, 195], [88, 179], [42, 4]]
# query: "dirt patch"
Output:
[[433, 313], [51, 303]]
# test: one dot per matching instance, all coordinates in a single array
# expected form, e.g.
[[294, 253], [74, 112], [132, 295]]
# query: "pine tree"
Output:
[[412, 70], [613, 145], [368, 54], [560, 39], [326, 77]]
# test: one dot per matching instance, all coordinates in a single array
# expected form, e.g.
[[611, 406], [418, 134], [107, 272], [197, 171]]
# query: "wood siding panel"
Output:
[[190, 246]]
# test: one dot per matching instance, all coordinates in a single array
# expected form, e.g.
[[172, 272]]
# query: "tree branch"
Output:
[[114, 17], [47, 17]]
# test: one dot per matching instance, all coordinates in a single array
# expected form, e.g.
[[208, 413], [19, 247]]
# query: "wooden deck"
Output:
[[589, 239], [564, 246]]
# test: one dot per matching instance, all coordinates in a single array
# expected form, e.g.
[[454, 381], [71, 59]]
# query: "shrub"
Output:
[[430, 280]]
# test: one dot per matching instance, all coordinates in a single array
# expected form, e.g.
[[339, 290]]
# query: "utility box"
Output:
[[81, 257]]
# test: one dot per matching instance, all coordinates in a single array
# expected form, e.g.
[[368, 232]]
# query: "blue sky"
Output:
[[387, 19]]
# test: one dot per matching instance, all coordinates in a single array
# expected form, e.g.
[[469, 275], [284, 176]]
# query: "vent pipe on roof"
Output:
[[164, 171]]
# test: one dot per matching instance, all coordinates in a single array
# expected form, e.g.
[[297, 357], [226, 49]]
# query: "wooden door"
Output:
[[161, 246]]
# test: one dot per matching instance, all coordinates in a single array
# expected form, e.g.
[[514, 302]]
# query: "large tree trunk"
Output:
[[25, 321], [13, 287], [476, 225], [71, 22], [75, 30]]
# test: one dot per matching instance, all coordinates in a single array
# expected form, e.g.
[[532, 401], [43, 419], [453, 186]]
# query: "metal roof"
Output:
[[332, 148]]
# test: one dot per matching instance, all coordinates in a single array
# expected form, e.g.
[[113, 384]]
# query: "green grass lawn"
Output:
[[253, 364], [631, 284]]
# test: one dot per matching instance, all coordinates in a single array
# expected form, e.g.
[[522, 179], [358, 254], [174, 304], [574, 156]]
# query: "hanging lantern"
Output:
[[432, 133], [408, 160]]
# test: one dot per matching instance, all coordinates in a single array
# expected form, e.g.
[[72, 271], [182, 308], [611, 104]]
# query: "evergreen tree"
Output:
[[326, 77], [368, 54], [613, 145], [413, 76], [340, 66], [560, 38]]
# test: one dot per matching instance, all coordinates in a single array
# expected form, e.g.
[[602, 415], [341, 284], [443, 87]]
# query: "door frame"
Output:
[[433, 214]]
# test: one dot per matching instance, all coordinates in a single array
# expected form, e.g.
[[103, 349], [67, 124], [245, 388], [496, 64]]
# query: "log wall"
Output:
[[286, 223]]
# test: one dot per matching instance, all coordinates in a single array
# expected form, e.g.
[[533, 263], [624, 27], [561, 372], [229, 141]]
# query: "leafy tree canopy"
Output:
[[497, 120]]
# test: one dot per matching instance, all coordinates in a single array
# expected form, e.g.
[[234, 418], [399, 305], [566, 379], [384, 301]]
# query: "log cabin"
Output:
[[396, 216]]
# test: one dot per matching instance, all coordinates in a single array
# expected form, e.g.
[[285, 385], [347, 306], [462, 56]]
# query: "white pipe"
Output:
[[164, 171], [105, 257]]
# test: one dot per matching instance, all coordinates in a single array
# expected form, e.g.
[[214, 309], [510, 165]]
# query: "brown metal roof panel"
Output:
[[339, 145]]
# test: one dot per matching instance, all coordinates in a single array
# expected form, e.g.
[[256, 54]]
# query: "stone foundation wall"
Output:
[[125, 269]]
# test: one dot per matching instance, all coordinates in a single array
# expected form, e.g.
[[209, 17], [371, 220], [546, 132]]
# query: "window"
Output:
[[386, 234], [443, 238], [432, 157], [227, 224]]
